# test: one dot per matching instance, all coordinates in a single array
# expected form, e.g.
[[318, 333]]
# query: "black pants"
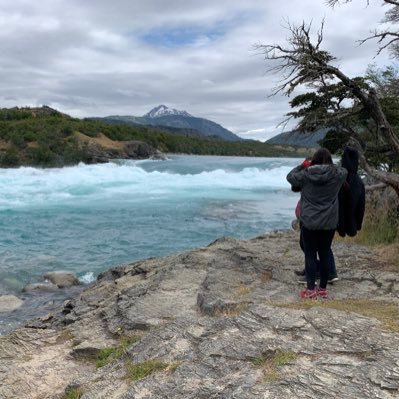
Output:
[[317, 242], [332, 270]]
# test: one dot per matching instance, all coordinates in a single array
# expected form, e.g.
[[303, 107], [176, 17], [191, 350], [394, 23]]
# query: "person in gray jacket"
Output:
[[320, 184]]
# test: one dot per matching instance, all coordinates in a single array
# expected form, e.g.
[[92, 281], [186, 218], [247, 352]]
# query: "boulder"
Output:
[[89, 349], [62, 279], [8, 303], [40, 287]]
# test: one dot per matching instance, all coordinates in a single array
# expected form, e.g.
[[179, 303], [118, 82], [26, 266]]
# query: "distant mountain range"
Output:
[[297, 138], [170, 118]]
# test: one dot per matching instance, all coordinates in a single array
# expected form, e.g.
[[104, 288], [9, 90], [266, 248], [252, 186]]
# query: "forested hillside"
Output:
[[46, 137]]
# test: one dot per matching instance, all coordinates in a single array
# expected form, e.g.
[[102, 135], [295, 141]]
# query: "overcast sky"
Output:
[[101, 57]]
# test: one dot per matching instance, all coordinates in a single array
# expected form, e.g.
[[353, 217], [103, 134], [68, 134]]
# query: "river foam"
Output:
[[86, 218]]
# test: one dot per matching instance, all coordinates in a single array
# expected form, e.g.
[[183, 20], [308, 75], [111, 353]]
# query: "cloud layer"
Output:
[[97, 58]]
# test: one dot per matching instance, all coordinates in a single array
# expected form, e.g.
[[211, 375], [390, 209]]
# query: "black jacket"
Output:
[[351, 197]]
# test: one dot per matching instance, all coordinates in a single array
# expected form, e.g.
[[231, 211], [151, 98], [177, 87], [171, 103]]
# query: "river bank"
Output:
[[220, 321]]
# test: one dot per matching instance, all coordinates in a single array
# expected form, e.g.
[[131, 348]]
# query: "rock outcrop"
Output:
[[101, 149], [62, 279], [223, 321]]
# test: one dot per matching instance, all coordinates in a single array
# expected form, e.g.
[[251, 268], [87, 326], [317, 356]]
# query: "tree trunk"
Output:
[[372, 105], [389, 178]]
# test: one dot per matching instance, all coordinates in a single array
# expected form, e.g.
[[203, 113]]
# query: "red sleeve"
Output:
[[298, 209]]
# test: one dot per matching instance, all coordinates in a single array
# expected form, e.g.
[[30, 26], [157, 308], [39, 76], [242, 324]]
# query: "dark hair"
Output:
[[322, 157]]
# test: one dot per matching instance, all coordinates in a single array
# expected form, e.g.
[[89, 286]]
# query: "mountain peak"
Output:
[[163, 110]]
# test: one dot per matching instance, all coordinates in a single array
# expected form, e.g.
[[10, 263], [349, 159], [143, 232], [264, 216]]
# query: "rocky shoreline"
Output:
[[223, 321], [37, 299]]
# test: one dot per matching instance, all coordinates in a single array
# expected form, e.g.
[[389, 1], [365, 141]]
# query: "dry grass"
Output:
[[266, 276], [389, 254], [101, 140], [271, 361], [65, 336], [381, 220], [4, 145], [386, 313], [232, 310], [242, 290]]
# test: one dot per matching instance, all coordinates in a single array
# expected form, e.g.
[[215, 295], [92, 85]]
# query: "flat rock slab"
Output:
[[40, 287], [219, 322]]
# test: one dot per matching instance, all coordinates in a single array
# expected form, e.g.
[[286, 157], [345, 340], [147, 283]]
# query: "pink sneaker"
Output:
[[322, 292], [309, 294]]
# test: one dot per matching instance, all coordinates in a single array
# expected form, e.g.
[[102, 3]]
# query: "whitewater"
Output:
[[88, 218]]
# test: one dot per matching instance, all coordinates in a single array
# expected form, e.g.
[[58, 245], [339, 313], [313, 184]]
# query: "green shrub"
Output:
[[10, 158], [107, 355], [18, 141], [271, 361], [43, 156], [138, 371], [73, 393]]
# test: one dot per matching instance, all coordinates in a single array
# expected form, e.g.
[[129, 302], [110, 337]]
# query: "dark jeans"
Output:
[[332, 270], [317, 242]]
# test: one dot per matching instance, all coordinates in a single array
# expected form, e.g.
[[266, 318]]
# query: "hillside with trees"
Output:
[[48, 138]]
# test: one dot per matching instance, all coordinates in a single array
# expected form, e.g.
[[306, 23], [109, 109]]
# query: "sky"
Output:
[[124, 57]]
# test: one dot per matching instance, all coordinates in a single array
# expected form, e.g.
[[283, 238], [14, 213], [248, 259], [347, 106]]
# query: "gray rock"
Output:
[[140, 150], [8, 303], [222, 322], [62, 279], [87, 350], [40, 287]]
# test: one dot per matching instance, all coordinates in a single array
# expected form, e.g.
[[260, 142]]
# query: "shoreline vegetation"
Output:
[[45, 137]]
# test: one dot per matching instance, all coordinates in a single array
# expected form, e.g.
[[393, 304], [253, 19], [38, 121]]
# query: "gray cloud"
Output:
[[124, 57]]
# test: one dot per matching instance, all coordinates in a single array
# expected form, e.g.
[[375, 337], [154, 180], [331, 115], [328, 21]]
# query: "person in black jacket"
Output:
[[332, 271], [320, 184], [352, 197]]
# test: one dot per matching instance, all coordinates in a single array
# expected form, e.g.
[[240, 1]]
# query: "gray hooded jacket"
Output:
[[319, 186]]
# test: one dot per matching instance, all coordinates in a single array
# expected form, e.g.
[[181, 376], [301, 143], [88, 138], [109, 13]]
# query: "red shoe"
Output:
[[308, 294], [322, 292]]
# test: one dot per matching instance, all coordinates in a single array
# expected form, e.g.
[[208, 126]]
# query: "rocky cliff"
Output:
[[102, 149], [223, 321]]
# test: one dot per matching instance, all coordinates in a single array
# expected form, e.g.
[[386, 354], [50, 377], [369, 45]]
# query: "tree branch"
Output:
[[393, 2]]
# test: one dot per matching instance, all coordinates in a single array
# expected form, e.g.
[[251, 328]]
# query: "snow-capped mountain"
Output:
[[180, 122], [163, 110]]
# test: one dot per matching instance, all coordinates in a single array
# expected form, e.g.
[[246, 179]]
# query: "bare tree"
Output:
[[387, 38], [302, 62]]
